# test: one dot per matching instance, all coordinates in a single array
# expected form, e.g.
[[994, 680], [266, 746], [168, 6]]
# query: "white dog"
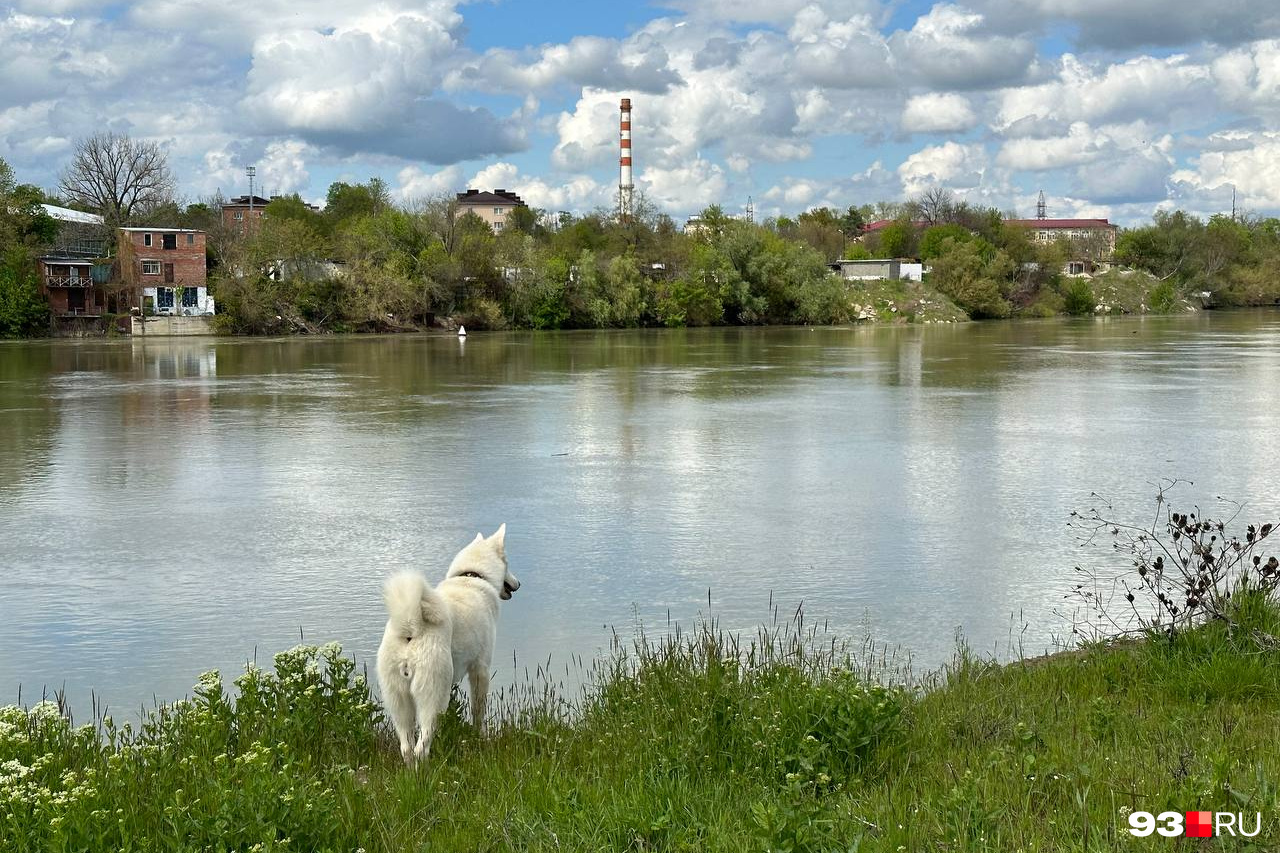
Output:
[[435, 635]]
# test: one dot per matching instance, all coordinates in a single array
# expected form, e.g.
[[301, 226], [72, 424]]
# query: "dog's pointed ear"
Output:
[[479, 538], [499, 537]]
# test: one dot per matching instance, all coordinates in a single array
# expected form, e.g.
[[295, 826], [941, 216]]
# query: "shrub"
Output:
[[275, 765], [1078, 297], [1186, 570], [1163, 298]]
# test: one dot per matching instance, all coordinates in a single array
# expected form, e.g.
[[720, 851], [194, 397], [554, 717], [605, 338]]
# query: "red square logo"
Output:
[[1199, 824]]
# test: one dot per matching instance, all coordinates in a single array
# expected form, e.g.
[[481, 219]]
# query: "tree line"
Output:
[[366, 262]]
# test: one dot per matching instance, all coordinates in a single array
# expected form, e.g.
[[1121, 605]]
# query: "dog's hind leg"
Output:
[[399, 704], [432, 701], [479, 679]]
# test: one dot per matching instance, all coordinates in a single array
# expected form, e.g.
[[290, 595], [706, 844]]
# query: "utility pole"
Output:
[[251, 171]]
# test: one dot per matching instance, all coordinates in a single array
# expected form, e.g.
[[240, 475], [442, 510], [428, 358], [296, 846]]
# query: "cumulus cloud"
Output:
[[685, 188], [938, 112], [951, 165], [640, 64], [952, 48], [1139, 23], [840, 54], [417, 183], [368, 86], [777, 12], [574, 193], [1248, 78], [726, 92], [793, 194], [1144, 86], [1254, 171]]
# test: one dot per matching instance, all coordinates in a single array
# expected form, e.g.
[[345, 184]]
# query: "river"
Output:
[[169, 506]]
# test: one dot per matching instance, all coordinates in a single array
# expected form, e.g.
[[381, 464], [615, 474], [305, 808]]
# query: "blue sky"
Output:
[[1113, 109]]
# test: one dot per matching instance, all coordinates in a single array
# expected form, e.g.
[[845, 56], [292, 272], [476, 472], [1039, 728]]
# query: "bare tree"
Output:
[[118, 176], [936, 205]]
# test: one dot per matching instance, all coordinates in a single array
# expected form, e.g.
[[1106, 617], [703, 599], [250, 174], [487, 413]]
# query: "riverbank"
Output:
[[700, 743]]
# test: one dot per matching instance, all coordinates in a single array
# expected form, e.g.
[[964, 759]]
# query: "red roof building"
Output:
[[1048, 230]]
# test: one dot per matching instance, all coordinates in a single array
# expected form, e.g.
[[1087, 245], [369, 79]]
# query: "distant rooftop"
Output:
[[495, 197], [1060, 223], [258, 201], [66, 214], [162, 228]]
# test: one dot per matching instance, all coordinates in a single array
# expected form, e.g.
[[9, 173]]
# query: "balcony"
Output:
[[68, 281]]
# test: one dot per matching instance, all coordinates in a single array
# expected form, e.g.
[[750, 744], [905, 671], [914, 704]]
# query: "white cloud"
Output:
[[1248, 79], [418, 183], [574, 193], [840, 54], [639, 64], [1253, 171], [686, 188], [951, 165], [1142, 87], [777, 12], [938, 112], [1135, 23], [951, 48]]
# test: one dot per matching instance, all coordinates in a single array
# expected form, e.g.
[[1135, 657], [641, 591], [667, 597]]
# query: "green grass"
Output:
[[699, 741]]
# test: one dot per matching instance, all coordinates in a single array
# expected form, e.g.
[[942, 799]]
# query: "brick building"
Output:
[[1098, 231], [242, 214], [164, 269], [77, 266], [492, 207]]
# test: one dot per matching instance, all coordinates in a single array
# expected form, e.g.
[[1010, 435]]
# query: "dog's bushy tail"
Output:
[[412, 604]]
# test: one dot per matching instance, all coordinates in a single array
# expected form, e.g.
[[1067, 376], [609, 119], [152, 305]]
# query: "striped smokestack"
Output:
[[625, 186]]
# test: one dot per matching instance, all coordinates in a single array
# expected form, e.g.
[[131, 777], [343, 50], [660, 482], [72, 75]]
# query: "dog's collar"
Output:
[[469, 575]]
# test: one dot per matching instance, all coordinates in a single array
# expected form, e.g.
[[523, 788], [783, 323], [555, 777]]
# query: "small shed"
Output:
[[869, 270]]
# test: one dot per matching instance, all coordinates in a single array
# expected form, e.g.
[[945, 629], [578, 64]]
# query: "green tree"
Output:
[[897, 239], [933, 238], [24, 229], [972, 281], [294, 208], [351, 201], [23, 310]]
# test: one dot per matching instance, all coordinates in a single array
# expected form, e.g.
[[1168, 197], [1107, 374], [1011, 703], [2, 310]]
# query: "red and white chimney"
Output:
[[625, 187]]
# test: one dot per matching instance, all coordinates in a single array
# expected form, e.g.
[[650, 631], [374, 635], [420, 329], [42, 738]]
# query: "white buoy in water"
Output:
[[462, 331]]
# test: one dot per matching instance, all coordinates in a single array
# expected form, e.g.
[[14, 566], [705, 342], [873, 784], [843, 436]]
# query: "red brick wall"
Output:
[[246, 222], [187, 259]]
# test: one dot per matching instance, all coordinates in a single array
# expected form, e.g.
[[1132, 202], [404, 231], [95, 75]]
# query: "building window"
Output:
[[237, 215], [170, 240], [189, 297], [498, 211], [146, 239], [164, 298], [191, 239], [150, 267]]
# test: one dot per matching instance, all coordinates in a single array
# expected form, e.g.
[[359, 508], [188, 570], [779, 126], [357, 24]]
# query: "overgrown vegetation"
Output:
[[367, 263], [704, 741], [24, 228]]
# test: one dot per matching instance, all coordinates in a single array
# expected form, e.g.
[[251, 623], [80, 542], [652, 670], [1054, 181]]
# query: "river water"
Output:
[[171, 506]]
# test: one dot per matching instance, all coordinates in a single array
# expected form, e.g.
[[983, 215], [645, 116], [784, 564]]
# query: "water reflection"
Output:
[[173, 505]]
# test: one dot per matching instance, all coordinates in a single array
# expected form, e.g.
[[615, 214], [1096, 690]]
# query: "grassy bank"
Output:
[[701, 742]]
